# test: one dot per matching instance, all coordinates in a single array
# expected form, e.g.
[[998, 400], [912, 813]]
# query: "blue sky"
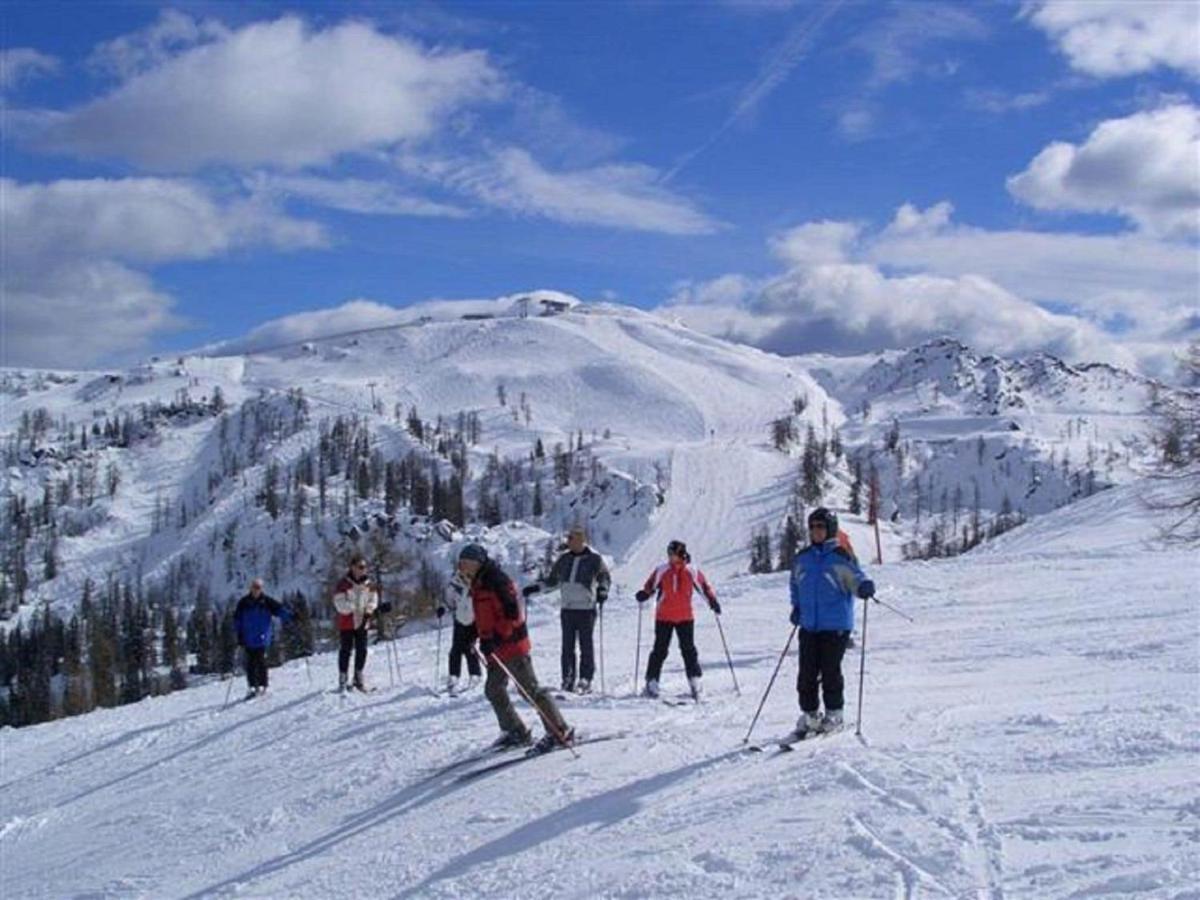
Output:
[[828, 176]]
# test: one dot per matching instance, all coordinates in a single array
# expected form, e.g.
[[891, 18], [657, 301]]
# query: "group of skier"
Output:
[[488, 609]]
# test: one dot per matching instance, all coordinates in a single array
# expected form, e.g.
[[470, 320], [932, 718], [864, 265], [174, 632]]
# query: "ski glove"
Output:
[[441, 611], [509, 605], [794, 618], [487, 646], [641, 596], [866, 589], [601, 597], [530, 589], [714, 606]]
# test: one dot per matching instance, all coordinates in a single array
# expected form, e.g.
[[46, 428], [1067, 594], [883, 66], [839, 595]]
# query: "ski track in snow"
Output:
[[1031, 735]]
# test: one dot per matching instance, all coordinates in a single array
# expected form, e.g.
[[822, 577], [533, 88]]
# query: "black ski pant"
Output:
[[256, 666], [578, 625], [662, 643], [460, 646], [353, 640], [821, 655]]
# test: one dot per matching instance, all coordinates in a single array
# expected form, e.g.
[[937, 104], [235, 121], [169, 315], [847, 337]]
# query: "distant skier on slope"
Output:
[[675, 581], [355, 598], [825, 579], [252, 621], [462, 643], [583, 581], [504, 643]]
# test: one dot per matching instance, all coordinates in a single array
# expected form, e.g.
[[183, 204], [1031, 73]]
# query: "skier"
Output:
[[252, 620], [675, 581], [583, 579], [355, 598], [825, 578], [463, 641], [504, 643]]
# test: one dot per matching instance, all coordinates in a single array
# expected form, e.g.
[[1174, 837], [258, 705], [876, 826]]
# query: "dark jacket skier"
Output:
[[504, 643], [583, 581], [253, 623]]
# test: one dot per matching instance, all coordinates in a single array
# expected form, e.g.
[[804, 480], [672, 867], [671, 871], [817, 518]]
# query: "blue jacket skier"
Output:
[[252, 620], [825, 580]]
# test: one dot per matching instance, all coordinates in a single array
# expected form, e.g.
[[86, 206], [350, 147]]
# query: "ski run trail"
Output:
[[1033, 734]]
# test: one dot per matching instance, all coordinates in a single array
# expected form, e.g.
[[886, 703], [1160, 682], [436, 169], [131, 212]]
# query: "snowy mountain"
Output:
[[1032, 734], [187, 476]]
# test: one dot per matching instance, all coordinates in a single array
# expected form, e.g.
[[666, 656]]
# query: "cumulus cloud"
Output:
[[80, 313], [1145, 167], [71, 295], [1110, 38], [815, 242], [20, 64], [1123, 299], [626, 196], [354, 315], [274, 93], [855, 308]]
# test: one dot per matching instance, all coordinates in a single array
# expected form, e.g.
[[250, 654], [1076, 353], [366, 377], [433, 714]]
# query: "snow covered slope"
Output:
[[1033, 734]]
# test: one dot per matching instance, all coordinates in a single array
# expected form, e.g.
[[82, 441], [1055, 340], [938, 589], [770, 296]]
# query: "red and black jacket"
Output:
[[499, 613]]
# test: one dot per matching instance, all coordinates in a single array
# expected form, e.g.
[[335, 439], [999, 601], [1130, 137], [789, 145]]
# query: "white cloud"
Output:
[[70, 296], [855, 308], [624, 196], [154, 45], [139, 220], [815, 242], [1128, 299], [354, 315], [1145, 167], [20, 64], [79, 313], [277, 93], [350, 195], [1110, 38]]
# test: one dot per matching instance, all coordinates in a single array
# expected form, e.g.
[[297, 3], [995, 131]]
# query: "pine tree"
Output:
[[789, 543]]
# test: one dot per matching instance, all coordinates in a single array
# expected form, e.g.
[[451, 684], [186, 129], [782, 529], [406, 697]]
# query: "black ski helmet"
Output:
[[473, 552], [826, 517], [678, 548]]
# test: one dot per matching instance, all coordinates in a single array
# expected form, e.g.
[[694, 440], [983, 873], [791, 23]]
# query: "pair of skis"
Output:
[[786, 743]]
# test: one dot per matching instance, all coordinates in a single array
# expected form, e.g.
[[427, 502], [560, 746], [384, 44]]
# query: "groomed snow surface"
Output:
[[1033, 734]]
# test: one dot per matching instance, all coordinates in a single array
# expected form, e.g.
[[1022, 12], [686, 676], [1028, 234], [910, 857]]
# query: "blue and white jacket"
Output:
[[824, 581]]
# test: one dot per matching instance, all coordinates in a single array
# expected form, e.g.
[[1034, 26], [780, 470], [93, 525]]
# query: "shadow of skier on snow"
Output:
[[600, 811]]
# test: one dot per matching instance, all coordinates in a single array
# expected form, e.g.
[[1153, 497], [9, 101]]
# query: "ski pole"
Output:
[[562, 738], [637, 659], [887, 605], [437, 659], [862, 669], [770, 684], [728, 658], [307, 669], [600, 612]]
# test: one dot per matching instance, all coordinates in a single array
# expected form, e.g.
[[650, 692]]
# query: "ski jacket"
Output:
[[676, 581], [823, 584], [583, 578], [252, 620], [458, 601], [355, 599], [491, 592]]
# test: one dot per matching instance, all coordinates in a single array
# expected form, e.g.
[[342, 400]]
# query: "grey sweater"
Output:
[[583, 577]]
